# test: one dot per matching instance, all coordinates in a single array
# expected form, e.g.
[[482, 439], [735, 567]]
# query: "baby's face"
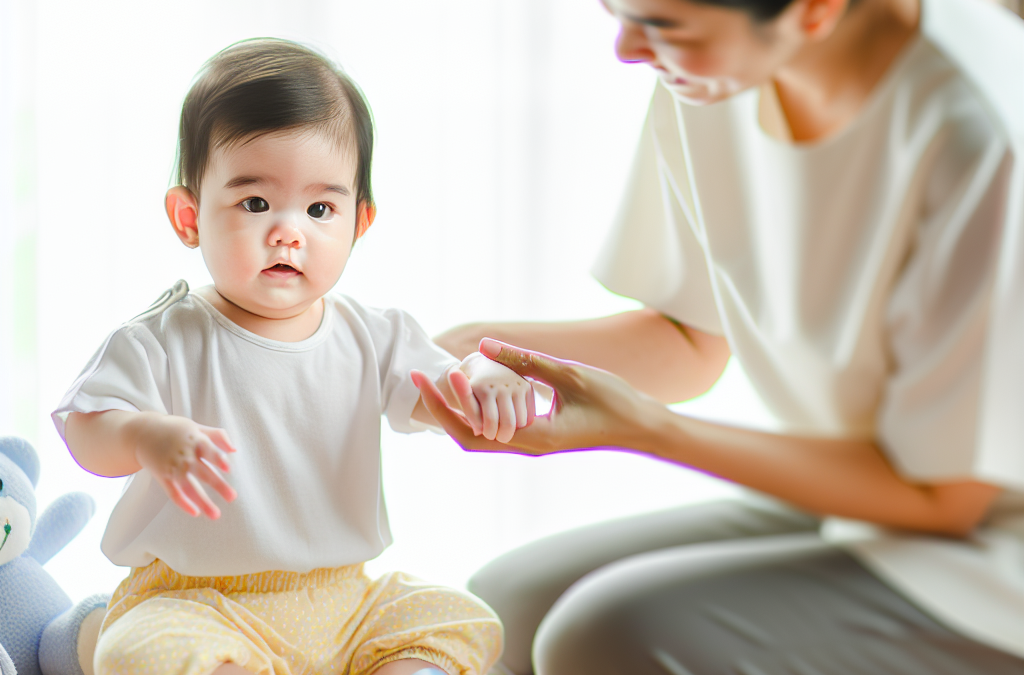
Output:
[[277, 217]]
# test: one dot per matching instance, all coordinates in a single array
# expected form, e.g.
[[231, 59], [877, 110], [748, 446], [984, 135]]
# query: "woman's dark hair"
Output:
[[759, 11], [259, 86]]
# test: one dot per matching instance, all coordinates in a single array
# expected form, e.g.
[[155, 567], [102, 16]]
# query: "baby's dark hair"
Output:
[[259, 86]]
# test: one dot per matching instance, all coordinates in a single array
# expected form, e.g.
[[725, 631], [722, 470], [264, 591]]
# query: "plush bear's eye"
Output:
[[1, 484]]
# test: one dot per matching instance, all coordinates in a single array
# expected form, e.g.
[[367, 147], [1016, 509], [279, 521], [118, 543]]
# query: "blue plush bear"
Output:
[[39, 628]]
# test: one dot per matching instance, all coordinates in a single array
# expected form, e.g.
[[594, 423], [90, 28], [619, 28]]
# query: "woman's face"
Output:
[[705, 53]]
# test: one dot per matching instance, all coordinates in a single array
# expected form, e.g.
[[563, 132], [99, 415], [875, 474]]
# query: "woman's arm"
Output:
[[666, 360], [838, 477], [595, 409]]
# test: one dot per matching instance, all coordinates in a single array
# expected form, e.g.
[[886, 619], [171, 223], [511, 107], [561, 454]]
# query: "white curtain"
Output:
[[505, 128]]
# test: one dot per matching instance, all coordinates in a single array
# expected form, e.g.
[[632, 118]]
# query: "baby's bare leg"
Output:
[[406, 667]]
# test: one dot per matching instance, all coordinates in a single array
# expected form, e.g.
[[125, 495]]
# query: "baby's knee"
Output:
[[157, 637]]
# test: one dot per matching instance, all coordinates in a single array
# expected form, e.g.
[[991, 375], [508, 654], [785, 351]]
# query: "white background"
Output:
[[505, 129]]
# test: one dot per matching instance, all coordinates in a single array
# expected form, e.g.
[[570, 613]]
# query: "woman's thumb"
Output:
[[524, 362]]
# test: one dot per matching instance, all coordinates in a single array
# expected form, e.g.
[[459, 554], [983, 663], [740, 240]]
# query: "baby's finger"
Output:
[[531, 406], [190, 487], [177, 495], [506, 418], [489, 412], [459, 382], [219, 438], [206, 449], [206, 474], [519, 401]]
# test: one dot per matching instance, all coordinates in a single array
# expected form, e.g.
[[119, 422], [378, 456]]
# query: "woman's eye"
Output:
[[256, 205], [319, 211]]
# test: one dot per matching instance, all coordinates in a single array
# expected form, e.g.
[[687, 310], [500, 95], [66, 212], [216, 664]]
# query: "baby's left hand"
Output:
[[495, 400]]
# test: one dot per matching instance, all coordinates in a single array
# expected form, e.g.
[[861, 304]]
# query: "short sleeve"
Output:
[[653, 251], [128, 372], [401, 346], [932, 413]]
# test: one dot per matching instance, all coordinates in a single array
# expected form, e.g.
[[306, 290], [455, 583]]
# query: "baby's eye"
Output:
[[319, 211], [256, 205]]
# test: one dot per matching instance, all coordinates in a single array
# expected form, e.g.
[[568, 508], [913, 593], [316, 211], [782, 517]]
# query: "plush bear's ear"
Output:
[[23, 454]]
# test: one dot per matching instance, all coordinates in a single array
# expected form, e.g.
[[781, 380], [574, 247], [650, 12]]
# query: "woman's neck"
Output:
[[827, 84]]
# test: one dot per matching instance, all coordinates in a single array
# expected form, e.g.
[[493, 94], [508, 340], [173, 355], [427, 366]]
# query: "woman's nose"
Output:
[[631, 46], [286, 234]]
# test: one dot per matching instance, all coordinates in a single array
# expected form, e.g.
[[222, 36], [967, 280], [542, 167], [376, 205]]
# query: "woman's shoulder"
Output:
[[983, 44]]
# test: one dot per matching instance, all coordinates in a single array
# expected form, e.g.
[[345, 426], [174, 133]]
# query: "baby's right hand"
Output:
[[179, 454]]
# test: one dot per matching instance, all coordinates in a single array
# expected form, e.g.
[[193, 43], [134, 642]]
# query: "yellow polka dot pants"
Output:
[[336, 621]]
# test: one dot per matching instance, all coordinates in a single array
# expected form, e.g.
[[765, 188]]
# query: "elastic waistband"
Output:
[[157, 575]]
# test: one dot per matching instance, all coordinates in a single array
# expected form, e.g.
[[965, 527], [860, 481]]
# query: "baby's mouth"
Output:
[[282, 269]]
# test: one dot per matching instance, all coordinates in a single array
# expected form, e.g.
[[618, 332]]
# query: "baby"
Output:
[[270, 379]]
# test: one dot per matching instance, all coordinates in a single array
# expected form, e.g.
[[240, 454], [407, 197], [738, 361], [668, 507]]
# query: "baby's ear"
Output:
[[367, 212], [183, 212]]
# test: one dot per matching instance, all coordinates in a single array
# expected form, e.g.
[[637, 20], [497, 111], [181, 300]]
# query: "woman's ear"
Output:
[[183, 212], [367, 212], [819, 17]]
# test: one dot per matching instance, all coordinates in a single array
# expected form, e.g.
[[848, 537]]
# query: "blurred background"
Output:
[[505, 129]]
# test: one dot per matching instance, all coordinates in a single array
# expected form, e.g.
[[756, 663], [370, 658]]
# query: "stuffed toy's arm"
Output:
[[60, 523]]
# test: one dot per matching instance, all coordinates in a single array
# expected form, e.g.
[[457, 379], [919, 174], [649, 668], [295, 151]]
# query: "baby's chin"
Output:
[[275, 304]]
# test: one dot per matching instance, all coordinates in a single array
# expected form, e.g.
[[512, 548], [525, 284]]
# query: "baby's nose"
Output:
[[286, 234]]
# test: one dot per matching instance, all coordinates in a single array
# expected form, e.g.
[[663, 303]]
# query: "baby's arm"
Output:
[[175, 450], [495, 400]]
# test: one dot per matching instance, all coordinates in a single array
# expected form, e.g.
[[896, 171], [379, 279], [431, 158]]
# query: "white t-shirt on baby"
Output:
[[858, 281], [305, 417]]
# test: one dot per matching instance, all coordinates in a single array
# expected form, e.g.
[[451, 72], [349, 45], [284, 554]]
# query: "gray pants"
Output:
[[727, 588]]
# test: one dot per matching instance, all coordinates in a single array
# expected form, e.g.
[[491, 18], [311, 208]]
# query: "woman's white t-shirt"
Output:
[[305, 417], [855, 279]]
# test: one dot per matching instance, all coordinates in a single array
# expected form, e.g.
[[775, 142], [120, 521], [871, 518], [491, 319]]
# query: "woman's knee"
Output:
[[624, 617], [591, 630]]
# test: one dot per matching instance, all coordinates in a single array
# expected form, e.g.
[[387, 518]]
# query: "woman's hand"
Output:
[[180, 455], [591, 408]]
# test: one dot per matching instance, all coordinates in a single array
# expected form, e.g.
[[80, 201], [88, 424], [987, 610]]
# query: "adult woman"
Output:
[[850, 259]]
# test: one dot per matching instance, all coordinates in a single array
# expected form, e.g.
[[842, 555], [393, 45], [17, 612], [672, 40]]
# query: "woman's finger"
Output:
[[191, 489], [459, 382], [526, 363], [506, 417]]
